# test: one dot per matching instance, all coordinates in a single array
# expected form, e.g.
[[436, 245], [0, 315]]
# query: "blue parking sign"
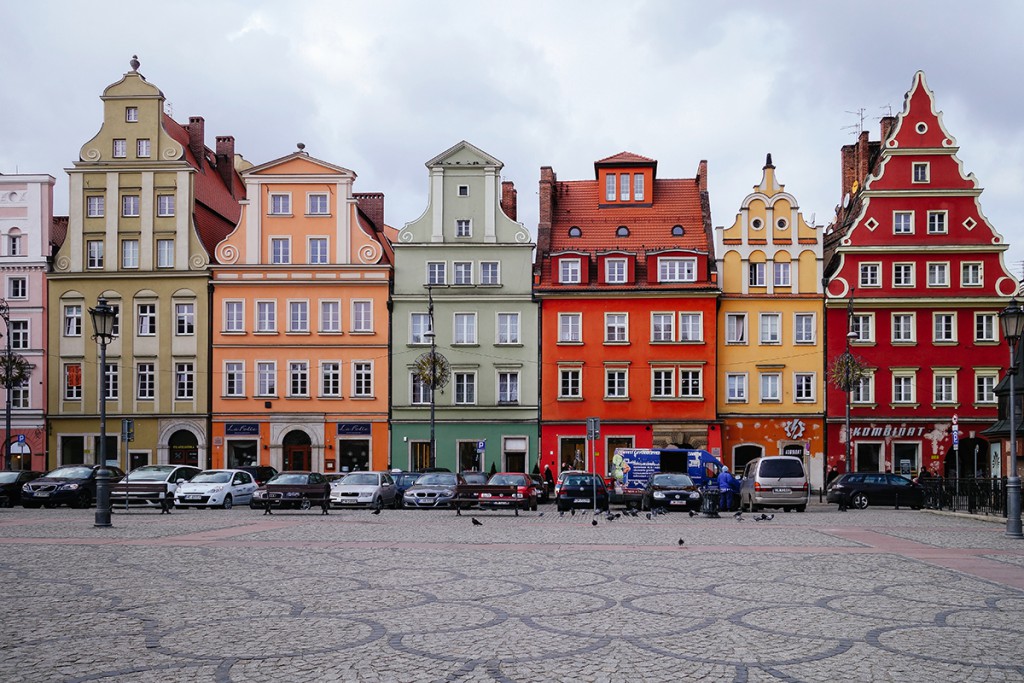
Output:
[[481, 445]]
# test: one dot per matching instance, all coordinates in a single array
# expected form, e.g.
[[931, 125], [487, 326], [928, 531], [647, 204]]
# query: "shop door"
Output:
[[297, 451], [183, 448], [420, 456], [353, 454], [469, 457], [868, 457], [573, 452]]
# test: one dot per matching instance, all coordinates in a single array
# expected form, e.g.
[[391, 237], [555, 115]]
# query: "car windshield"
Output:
[[150, 473], [580, 480], [8, 477], [360, 479], [70, 473], [212, 478], [437, 480], [507, 480], [671, 480], [407, 478], [290, 479], [781, 467]]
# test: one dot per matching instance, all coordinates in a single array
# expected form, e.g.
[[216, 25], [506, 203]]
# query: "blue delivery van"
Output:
[[632, 468]]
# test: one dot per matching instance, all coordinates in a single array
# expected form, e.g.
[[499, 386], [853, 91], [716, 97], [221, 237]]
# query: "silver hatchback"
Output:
[[774, 482]]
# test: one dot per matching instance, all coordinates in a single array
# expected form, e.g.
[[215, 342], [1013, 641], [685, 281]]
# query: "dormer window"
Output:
[[569, 271], [622, 231], [615, 271], [677, 231], [609, 187], [624, 187], [575, 231], [638, 187]]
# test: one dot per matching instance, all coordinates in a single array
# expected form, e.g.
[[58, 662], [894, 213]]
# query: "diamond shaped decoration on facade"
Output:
[[970, 223], [871, 224]]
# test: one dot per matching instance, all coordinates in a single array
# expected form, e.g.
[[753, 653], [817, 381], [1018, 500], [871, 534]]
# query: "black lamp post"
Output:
[[1011, 319], [5, 314], [848, 380], [103, 324], [433, 372]]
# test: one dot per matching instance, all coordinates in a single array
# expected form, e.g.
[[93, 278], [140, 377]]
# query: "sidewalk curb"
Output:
[[968, 515]]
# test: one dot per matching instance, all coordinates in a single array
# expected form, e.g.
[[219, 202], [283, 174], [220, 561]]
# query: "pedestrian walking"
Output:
[[726, 484]]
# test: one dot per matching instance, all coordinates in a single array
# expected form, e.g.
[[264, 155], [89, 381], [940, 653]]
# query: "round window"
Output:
[[575, 231], [756, 224], [622, 231], [922, 127], [677, 231], [782, 224]]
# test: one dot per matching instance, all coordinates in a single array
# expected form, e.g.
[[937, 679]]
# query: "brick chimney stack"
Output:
[[372, 204], [197, 137], [702, 175], [547, 201], [887, 125], [509, 202], [226, 160]]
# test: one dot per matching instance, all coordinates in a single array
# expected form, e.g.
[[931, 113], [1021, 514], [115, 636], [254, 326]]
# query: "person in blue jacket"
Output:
[[726, 484]]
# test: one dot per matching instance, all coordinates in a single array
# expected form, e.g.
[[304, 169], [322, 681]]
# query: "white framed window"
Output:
[[869, 275], [663, 383], [691, 327], [73, 382], [616, 383], [266, 378], [638, 187], [280, 250], [508, 388], [184, 381], [234, 378], [129, 254], [570, 328], [616, 328], [465, 388], [298, 378], [112, 388], [903, 388], [419, 325], [735, 328], [903, 328], [317, 204], [569, 271], [570, 384], [463, 190], [130, 205], [116, 328], [280, 204], [165, 205], [142, 148], [489, 273], [266, 316], [920, 173], [674, 269], [298, 316], [663, 327], [420, 390], [944, 327], [234, 316], [771, 387], [770, 326], [945, 388], [362, 316], [756, 274], [463, 227], [21, 395], [985, 327], [690, 384], [609, 187], [863, 390], [615, 271], [14, 244], [184, 319], [863, 327], [736, 387], [165, 253], [146, 314], [19, 332], [462, 272], [120, 148], [72, 320], [465, 328], [330, 316], [781, 274], [317, 247], [971, 274], [131, 114], [94, 206], [804, 328], [804, 387], [938, 275], [903, 222], [145, 381], [94, 254], [17, 288], [624, 187], [437, 273], [508, 328], [903, 275], [985, 386], [937, 222]]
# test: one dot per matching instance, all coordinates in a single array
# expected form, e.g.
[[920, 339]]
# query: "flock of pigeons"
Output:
[[632, 512]]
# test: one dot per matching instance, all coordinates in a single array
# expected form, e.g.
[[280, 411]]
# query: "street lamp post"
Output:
[[848, 380], [433, 373], [1011, 319], [103, 324], [5, 314]]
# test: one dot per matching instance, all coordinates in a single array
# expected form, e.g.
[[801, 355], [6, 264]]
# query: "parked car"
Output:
[[433, 490], [576, 489], [261, 473], [296, 490], [861, 489], [11, 482], [479, 478], [73, 485], [525, 497], [371, 489], [671, 491], [543, 494], [151, 485], [403, 480], [778, 481], [216, 488]]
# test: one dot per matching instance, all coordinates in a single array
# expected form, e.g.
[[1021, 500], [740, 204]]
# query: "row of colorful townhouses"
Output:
[[266, 314]]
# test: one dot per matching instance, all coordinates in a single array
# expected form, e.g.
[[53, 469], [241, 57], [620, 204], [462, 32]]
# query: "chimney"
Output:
[[848, 152], [547, 201], [863, 159], [197, 138], [702, 175], [509, 204], [888, 123], [372, 204], [226, 160]]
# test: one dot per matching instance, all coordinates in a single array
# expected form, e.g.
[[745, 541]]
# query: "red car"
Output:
[[525, 497]]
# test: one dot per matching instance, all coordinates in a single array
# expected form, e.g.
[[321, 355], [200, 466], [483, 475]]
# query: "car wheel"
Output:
[[643, 504], [228, 503], [801, 508], [377, 503], [559, 506], [859, 500], [304, 504], [84, 500], [533, 507]]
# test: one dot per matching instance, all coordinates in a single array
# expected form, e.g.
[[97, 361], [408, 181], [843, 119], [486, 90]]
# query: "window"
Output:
[[17, 288], [266, 378], [771, 328], [508, 388], [945, 388], [420, 390], [489, 273], [130, 205], [869, 275], [120, 148], [936, 222], [508, 328], [330, 316], [615, 271], [638, 187], [362, 378], [142, 148], [463, 190], [803, 328], [690, 327], [266, 316], [663, 327], [462, 271], [185, 319], [184, 381], [569, 271], [94, 206], [94, 254], [903, 389], [147, 320], [938, 274], [298, 316], [677, 270], [73, 320], [944, 327], [624, 187], [863, 390], [463, 228], [362, 316], [902, 222], [73, 382], [21, 397], [131, 114], [781, 271], [234, 379], [465, 328], [984, 388], [616, 384], [609, 187], [984, 327], [570, 327], [575, 231], [920, 172], [316, 204], [234, 316], [771, 387], [677, 231], [145, 377], [903, 327], [690, 383], [165, 253], [862, 326], [465, 388], [663, 383], [803, 387], [735, 328], [280, 250], [330, 379], [436, 273], [317, 250], [971, 275], [298, 378], [615, 328], [569, 383], [419, 325], [755, 274], [19, 335], [14, 245], [622, 231], [280, 204], [903, 275], [116, 328], [130, 254], [736, 387]]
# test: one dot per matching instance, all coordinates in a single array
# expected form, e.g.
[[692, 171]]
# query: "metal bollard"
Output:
[[103, 479]]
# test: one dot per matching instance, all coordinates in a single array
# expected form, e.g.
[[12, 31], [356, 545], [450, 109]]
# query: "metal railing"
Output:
[[975, 495]]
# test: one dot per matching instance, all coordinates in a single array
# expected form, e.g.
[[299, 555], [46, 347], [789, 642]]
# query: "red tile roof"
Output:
[[58, 232], [626, 158]]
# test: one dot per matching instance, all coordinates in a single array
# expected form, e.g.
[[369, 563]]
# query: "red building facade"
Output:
[[917, 276], [625, 278]]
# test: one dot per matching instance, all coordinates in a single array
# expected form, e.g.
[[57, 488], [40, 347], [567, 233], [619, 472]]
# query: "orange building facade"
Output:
[[300, 323]]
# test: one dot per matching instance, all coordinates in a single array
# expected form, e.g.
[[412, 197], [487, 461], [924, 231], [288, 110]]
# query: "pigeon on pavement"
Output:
[[476, 522], [739, 514], [593, 522], [692, 513], [376, 512], [682, 542]]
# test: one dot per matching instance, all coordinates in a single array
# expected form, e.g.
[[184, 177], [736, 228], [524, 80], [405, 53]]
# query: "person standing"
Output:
[[726, 483]]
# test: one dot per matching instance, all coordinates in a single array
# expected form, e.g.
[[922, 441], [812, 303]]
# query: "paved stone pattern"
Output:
[[427, 596]]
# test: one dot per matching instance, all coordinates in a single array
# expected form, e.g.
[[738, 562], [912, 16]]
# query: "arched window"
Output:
[[677, 231], [575, 231], [622, 231]]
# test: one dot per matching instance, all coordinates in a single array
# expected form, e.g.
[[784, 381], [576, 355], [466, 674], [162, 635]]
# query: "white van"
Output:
[[774, 482]]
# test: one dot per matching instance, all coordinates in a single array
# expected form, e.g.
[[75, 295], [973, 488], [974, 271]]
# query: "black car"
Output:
[[861, 489], [73, 485], [11, 483], [403, 480], [543, 493], [297, 490], [575, 489], [261, 473], [671, 491]]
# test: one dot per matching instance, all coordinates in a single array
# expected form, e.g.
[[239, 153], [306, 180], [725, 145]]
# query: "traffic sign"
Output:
[[21, 438], [593, 428]]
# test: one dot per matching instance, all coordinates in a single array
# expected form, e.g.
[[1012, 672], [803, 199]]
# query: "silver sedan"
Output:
[[364, 489]]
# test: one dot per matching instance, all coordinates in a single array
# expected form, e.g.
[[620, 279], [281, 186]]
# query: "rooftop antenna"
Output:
[[857, 128], [169, 108], [887, 108]]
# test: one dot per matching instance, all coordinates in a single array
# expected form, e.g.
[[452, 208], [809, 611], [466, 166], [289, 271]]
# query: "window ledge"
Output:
[[233, 397], [364, 333], [364, 398], [509, 344], [570, 398], [937, 405], [904, 343], [315, 215], [616, 343], [913, 406], [266, 333], [566, 343], [233, 333]]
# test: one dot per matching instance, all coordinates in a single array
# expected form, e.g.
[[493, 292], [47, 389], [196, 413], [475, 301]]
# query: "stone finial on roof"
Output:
[[301, 146], [135, 64], [768, 161]]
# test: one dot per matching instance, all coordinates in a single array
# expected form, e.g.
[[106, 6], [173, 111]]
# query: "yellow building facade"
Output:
[[771, 369]]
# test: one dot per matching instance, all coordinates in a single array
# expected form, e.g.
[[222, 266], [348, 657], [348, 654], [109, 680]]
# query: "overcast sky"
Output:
[[380, 87]]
